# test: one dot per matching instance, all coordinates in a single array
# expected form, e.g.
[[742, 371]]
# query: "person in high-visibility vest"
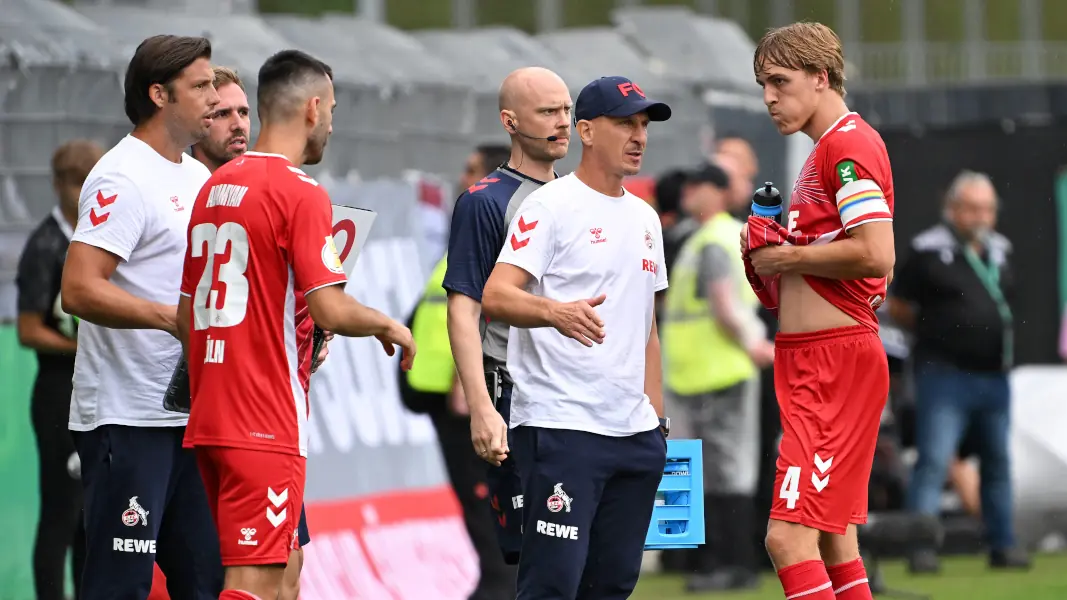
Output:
[[437, 373], [713, 346]]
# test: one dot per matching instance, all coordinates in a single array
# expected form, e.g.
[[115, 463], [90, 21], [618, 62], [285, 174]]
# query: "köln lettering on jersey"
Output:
[[216, 349], [649, 265], [226, 194]]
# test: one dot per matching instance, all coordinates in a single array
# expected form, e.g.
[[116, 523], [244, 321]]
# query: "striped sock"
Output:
[[850, 581], [806, 581]]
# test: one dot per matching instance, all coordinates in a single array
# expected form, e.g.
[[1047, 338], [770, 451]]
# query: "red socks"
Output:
[[807, 580], [850, 581], [237, 595]]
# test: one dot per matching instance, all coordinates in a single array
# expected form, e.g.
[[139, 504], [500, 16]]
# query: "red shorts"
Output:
[[832, 386], [255, 498]]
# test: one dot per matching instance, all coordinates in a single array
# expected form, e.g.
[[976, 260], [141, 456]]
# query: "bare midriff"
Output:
[[801, 309]]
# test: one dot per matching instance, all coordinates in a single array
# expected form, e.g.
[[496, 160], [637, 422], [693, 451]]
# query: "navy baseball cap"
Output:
[[616, 97]]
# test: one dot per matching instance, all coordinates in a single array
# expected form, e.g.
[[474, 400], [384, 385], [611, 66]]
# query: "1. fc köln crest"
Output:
[[559, 499]]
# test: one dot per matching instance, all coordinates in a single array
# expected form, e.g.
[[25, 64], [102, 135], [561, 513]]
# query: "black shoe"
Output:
[[1010, 558], [722, 580], [924, 562]]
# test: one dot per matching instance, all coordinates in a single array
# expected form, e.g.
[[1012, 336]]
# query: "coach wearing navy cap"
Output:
[[576, 281]]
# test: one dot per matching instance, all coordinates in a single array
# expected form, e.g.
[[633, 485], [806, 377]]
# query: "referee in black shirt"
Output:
[[46, 329], [953, 291]]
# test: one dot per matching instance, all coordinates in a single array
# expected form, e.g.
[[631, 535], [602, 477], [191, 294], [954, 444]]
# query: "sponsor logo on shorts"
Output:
[[248, 533], [566, 532], [135, 513], [133, 546], [559, 499], [278, 501]]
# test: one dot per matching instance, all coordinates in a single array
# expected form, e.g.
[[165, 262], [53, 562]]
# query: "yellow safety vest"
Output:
[[434, 370], [699, 357]]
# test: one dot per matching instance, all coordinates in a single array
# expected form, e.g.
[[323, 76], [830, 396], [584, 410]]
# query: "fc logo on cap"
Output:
[[627, 87]]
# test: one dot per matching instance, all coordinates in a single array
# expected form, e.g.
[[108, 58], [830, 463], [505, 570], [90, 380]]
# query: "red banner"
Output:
[[405, 545], [409, 544]]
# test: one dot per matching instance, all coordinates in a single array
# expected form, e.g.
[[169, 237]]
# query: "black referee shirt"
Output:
[[40, 274], [957, 319]]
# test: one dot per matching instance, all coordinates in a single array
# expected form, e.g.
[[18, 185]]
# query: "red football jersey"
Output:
[[260, 238], [846, 182]]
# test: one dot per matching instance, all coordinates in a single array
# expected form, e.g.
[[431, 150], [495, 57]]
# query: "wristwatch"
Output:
[[665, 426]]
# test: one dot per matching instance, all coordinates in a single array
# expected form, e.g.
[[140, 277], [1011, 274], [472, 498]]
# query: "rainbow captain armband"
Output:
[[678, 517], [862, 201]]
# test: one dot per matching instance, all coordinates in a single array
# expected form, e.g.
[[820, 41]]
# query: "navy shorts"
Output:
[[144, 504], [303, 535], [588, 504], [505, 492]]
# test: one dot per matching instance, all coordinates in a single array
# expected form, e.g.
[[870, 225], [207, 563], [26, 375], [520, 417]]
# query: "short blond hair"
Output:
[[811, 47], [72, 161], [226, 76]]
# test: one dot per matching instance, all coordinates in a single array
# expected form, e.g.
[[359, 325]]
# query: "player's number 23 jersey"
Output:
[[846, 182], [260, 238]]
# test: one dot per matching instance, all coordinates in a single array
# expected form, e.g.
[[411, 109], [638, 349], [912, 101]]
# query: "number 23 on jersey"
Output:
[[221, 297]]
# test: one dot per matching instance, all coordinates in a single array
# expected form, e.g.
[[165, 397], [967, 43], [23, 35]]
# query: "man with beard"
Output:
[[144, 500], [260, 260], [231, 124], [535, 110], [228, 139]]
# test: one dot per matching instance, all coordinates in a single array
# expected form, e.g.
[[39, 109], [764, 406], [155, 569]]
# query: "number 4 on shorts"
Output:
[[790, 491]]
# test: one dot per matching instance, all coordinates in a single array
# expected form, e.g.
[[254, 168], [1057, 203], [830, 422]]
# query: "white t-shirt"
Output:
[[577, 244], [136, 205]]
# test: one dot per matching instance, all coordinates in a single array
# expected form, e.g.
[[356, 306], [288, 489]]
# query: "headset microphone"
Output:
[[550, 138]]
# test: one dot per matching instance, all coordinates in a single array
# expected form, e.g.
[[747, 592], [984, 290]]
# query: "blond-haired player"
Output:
[[831, 375]]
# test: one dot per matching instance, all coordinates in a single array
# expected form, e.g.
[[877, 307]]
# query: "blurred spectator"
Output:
[[482, 162], [713, 344], [953, 292], [738, 147], [736, 156], [677, 226], [52, 333], [432, 388]]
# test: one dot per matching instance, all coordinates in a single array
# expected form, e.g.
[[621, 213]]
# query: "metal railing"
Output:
[[926, 63]]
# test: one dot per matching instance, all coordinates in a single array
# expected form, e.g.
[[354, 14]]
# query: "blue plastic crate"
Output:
[[678, 518]]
